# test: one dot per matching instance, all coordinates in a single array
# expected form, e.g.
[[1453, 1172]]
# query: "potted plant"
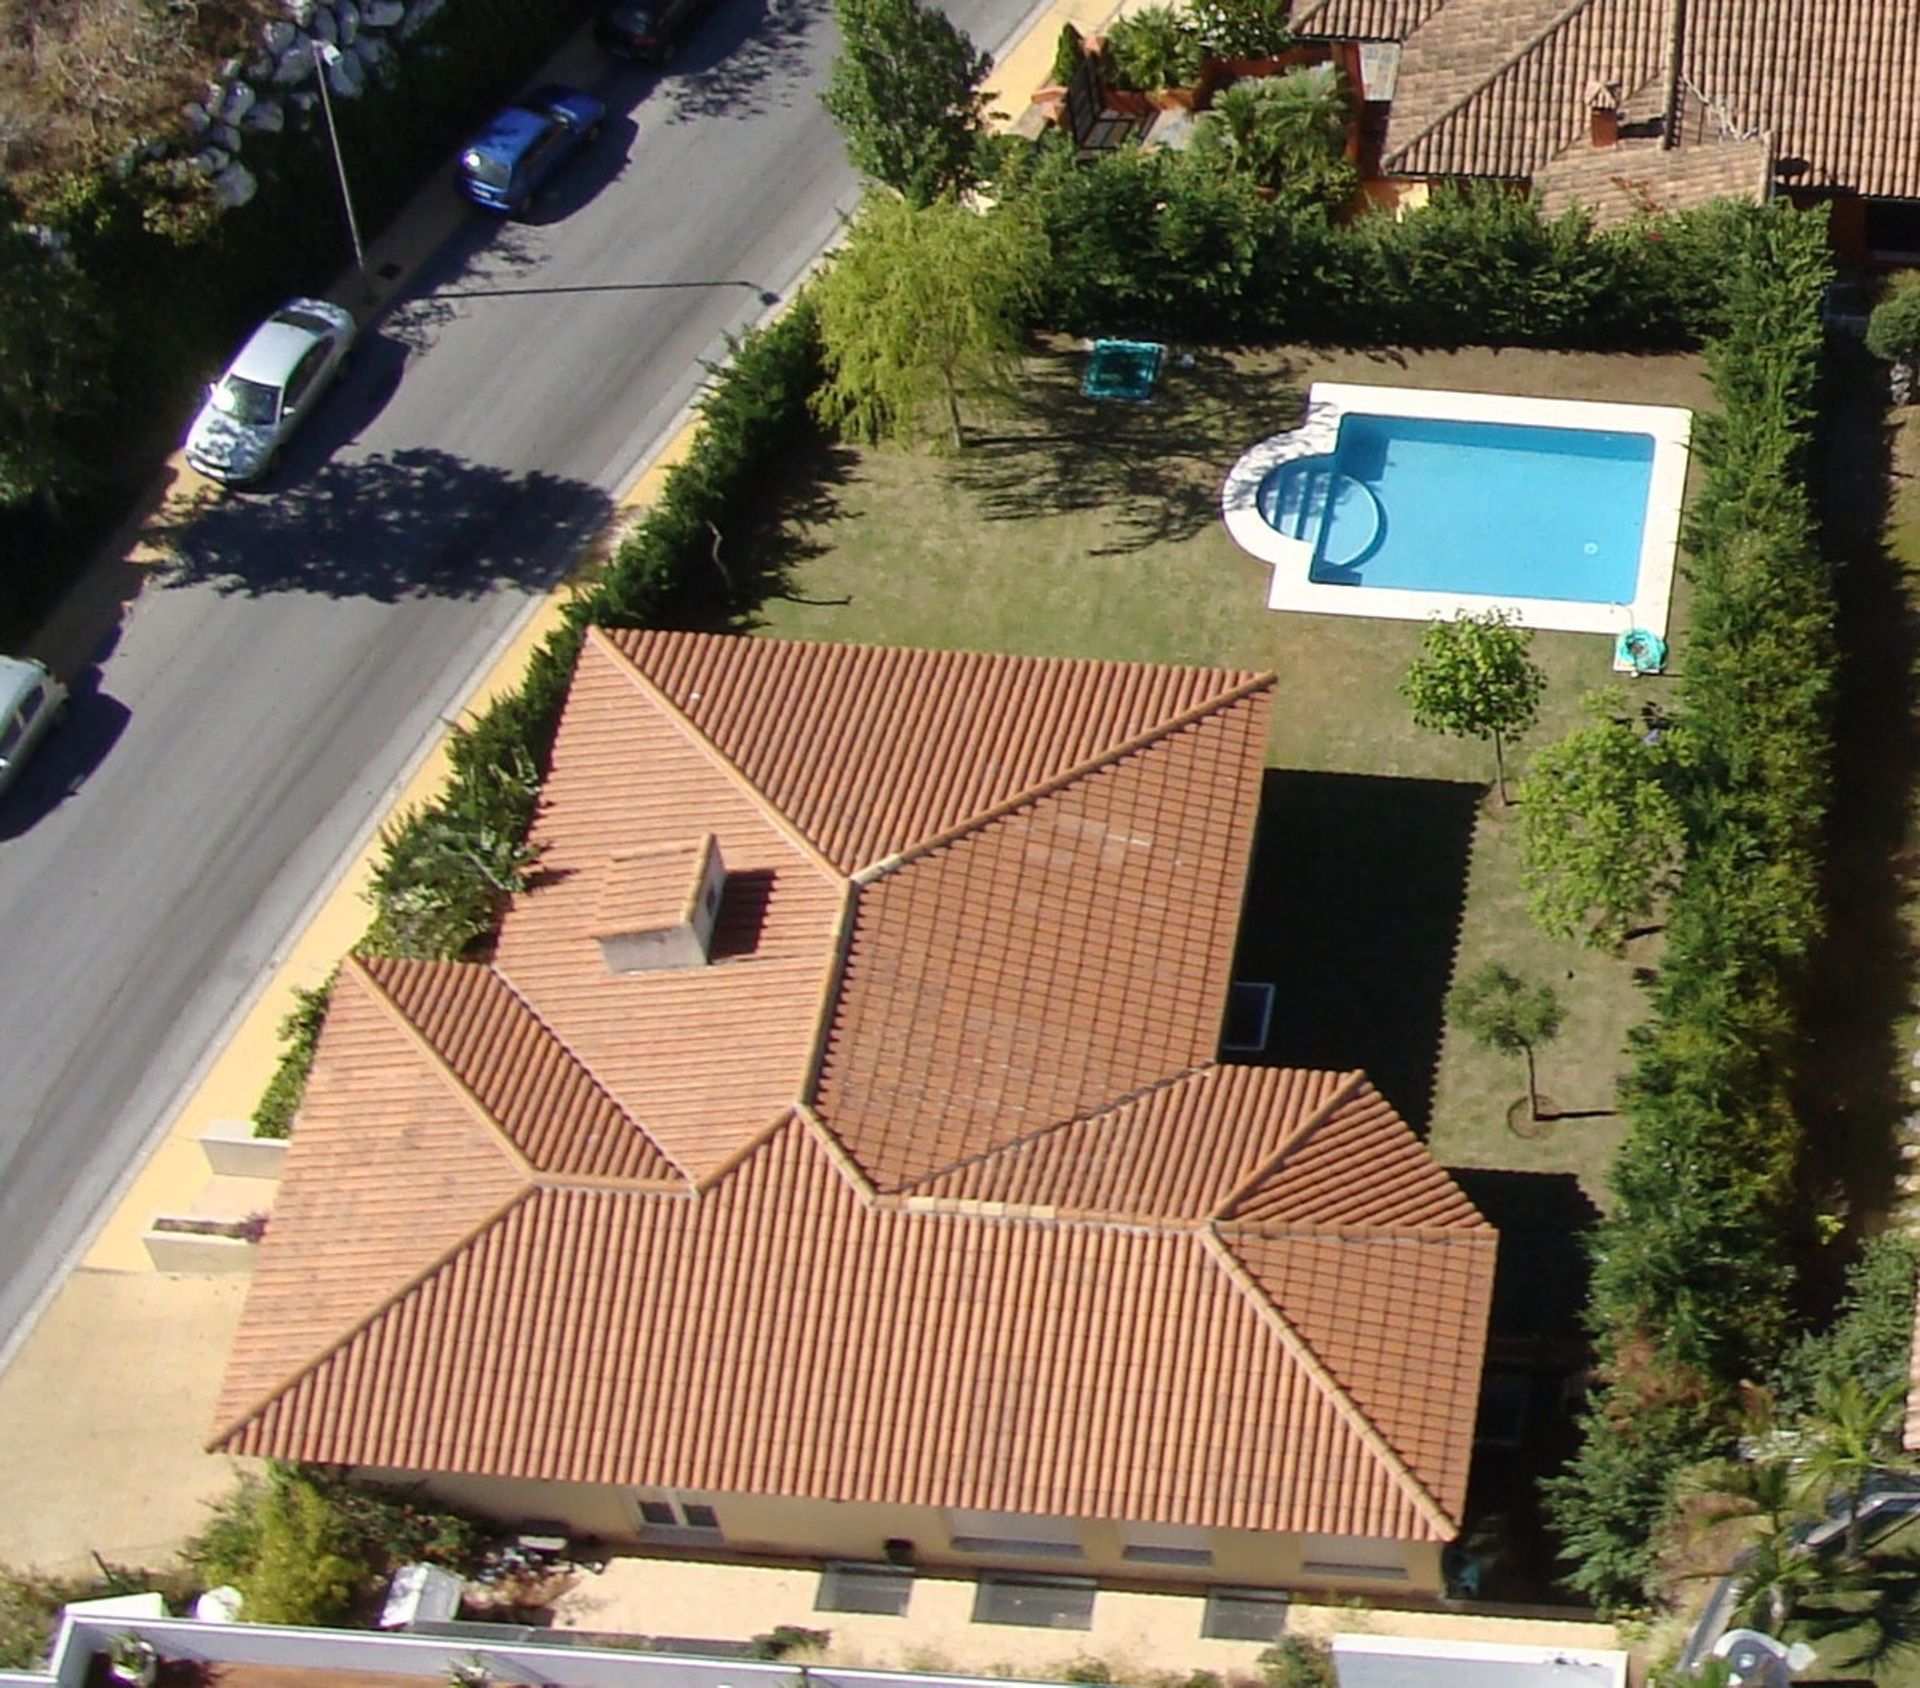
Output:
[[133, 1660]]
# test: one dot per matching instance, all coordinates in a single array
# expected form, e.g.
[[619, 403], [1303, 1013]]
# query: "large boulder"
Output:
[[240, 99], [268, 117], [346, 19], [296, 63], [196, 117], [234, 186], [381, 14], [419, 14], [277, 35], [301, 11], [324, 27], [347, 76]]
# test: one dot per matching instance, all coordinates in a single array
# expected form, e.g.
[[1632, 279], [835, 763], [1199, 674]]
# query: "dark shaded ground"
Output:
[[1855, 1064], [1353, 911]]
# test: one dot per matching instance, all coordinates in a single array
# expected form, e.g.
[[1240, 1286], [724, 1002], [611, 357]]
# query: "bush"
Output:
[[1893, 329], [1297, 1661], [783, 1640], [1870, 1339], [303, 1547], [1690, 1266], [1154, 47], [299, 1037]]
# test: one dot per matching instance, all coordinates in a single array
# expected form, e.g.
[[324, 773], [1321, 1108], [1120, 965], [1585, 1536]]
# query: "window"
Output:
[[1166, 1544], [666, 1510], [1244, 1614], [884, 1590], [1353, 1558], [1035, 1602], [1018, 1535], [304, 371]]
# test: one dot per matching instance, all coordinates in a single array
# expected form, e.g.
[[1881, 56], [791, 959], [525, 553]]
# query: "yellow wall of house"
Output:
[[801, 1528]]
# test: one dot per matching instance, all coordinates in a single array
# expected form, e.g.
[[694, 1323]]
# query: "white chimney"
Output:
[[657, 906]]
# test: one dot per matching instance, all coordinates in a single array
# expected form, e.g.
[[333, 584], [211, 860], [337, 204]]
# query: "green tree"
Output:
[[1893, 328], [1288, 133], [1474, 679], [1499, 1010], [920, 310], [1851, 1436], [1600, 830], [54, 360], [1242, 29], [1155, 47], [1298, 1661], [905, 92]]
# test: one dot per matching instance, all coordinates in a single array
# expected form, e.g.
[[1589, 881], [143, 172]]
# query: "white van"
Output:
[[31, 701]]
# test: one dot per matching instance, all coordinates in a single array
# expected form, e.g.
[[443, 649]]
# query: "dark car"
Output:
[[646, 29], [506, 165]]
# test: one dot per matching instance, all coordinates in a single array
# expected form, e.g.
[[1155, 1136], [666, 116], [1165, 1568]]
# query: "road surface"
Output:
[[242, 730]]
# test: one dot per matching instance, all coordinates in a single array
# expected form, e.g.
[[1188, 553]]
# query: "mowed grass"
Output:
[[1071, 528]]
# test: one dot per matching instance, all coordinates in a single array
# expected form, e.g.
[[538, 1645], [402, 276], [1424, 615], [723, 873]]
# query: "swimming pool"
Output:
[[1405, 503]]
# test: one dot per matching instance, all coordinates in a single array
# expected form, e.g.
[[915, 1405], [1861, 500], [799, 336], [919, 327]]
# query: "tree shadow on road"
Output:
[[744, 60], [407, 524]]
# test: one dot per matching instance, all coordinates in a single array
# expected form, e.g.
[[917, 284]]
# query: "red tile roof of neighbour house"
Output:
[[1500, 88], [779, 1223]]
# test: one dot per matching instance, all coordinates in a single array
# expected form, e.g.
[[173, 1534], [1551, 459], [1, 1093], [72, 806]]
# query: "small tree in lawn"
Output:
[[919, 310], [1500, 1010], [1600, 830], [1893, 330], [1474, 679], [905, 92]]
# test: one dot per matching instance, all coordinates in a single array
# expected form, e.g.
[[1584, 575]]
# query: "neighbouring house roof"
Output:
[[1502, 87], [775, 1224]]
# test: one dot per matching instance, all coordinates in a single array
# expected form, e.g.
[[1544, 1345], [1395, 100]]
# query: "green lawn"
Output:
[[1093, 530]]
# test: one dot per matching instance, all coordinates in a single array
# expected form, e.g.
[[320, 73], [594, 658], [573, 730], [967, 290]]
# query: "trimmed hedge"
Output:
[[1691, 1270]]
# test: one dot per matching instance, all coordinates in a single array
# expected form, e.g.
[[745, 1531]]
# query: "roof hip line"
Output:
[[727, 768], [1344, 1092], [1059, 782], [1335, 1391]]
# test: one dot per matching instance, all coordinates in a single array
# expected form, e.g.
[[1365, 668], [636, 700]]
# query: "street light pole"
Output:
[[327, 55]]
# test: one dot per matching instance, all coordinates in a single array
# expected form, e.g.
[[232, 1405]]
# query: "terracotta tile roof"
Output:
[[1362, 20], [545, 1220], [641, 890], [1051, 962], [1499, 87], [1617, 184]]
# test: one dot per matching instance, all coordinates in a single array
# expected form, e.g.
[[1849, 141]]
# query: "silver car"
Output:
[[32, 701], [269, 390]]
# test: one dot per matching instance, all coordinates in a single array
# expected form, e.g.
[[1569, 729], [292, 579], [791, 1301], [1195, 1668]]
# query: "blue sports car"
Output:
[[505, 166]]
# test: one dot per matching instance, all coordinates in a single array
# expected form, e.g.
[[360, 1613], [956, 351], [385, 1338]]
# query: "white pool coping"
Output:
[[1329, 401]]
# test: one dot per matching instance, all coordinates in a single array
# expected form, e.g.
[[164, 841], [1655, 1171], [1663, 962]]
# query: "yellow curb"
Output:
[[1029, 62], [176, 1172]]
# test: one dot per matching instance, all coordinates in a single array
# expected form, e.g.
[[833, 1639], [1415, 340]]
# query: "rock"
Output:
[[240, 100], [296, 63], [230, 69], [301, 11], [277, 35], [381, 14], [375, 54], [303, 100], [194, 114], [224, 136], [260, 67], [323, 26], [347, 77], [269, 117], [209, 162], [419, 14], [234, 186], [346, 19]]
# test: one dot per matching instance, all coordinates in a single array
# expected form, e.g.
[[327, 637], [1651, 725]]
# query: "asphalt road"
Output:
[[242, 730]]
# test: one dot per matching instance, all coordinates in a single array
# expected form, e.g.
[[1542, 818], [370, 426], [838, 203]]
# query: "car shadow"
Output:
[[63, 760], [586, 176]]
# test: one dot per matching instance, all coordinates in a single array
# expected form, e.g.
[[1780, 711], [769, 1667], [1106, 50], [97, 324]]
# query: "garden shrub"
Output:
[[1155, 47], [1871, 1336], [299, 1036], [1893, 327], [1690, 1266]]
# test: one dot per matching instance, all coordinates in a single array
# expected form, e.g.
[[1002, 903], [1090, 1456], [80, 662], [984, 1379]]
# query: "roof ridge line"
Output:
[[837, 1152], [482, 1114], [599, 1180], [1343, 1092], [730, 1161], [1531, 45], [1335, 1391], [723, 764], [1368, 1232], [1054, 783], [1048, 1130], [377, 1311]]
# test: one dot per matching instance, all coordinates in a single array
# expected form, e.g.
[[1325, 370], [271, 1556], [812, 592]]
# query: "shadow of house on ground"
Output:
[[1353, 912], [1157, 467], [416, 523], [1536, 1352]]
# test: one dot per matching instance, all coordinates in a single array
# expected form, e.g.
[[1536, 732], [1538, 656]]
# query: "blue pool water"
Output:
[[1501, 509]]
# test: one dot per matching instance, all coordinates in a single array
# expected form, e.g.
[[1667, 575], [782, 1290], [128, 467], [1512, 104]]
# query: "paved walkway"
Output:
[[1133, 1635]]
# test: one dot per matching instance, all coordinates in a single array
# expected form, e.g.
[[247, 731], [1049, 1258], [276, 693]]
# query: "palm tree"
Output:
[[1286, 131], [1850, 1438], [1763, 1500]]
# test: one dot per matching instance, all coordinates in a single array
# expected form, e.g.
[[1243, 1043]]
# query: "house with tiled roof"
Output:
[[1631, 105], [834, 1158]]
